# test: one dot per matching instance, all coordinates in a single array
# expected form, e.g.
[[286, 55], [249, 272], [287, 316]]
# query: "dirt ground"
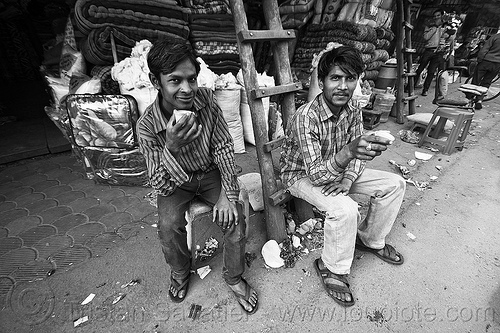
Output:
[[450, 281]]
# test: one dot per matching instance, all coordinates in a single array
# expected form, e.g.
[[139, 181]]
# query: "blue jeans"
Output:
[[343, 221], [172, 227]]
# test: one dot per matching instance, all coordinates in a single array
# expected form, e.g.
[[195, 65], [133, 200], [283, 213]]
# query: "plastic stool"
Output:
[[462, 121]]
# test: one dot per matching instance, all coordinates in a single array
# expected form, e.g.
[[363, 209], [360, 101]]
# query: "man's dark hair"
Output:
[[166, 54], [346, 57]]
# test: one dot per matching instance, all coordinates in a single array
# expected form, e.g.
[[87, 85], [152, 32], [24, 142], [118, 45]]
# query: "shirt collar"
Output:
[[325, 112], [159, 119]]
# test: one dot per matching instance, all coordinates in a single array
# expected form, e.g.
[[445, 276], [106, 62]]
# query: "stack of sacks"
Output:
[[228, 94], [246, 115], [213, 35], [129, 21], [317, 37], [227, 91], [296, 13], [132, 75], [380, 55], [385, 37], [362, 24]]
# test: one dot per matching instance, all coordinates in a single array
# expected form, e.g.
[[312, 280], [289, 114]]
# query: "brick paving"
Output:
[[52, 218]]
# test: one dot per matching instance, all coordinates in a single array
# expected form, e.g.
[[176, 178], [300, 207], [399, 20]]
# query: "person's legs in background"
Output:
[[436, 62], [483, 76], [424, 61]]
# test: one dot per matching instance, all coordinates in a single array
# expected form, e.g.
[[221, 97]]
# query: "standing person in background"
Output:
[[435, 60], [189, 154], [488, 64]]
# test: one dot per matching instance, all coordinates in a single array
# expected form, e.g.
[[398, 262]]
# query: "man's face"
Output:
[[338, 87], [179, 87], [438, 18]]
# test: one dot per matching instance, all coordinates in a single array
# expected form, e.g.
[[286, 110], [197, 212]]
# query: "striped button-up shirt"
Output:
[[314, 137], [212, 149]]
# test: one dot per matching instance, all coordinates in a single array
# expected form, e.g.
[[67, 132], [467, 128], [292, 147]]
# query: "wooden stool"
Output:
[[462, 120]]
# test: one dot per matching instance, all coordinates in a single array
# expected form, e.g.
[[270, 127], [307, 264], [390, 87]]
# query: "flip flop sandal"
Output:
[[387, 255], [246, 297], [324, 274], [179, 287]]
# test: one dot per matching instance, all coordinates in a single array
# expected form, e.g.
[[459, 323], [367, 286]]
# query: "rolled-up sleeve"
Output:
[[355, 166]]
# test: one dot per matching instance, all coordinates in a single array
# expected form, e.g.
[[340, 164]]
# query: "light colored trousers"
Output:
[[343, 220]]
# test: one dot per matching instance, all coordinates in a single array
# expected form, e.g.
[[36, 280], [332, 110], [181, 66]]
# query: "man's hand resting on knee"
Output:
[[225, 212], [337, 188]]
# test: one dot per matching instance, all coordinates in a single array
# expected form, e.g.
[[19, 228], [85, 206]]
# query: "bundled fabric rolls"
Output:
[[213, 37], [144, 15]]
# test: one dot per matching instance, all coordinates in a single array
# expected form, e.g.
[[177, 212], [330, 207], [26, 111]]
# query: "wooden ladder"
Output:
[[404, 52], [273, 195]]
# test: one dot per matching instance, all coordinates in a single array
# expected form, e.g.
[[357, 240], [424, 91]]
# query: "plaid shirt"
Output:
[[212, 149], [314, 137]]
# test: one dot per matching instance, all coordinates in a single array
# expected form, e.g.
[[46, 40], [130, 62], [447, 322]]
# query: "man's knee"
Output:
[[399, 182], [171, 224], [396, 183], [347, 211]]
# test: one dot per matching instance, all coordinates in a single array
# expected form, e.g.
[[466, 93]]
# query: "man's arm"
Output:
[[355, 166], [320, 170], [165, 174]]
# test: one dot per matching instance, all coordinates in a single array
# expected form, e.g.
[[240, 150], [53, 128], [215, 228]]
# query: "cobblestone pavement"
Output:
[[52, 218]]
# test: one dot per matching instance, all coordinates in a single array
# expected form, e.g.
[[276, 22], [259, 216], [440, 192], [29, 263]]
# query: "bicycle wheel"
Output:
[[493, 91]]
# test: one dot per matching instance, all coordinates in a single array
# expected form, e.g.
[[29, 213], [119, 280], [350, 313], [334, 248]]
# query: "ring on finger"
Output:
[[369, 147]]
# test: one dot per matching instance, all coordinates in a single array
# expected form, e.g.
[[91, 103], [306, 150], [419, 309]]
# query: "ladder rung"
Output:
[[277, 90], [411, 74], [407, 50], [280, 197], [408, 25], [265, 35], [273, 144], [410, 98]]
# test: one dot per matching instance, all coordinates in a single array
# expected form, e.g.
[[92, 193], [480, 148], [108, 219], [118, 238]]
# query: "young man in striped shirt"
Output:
[[191, 155], [323, 160]]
